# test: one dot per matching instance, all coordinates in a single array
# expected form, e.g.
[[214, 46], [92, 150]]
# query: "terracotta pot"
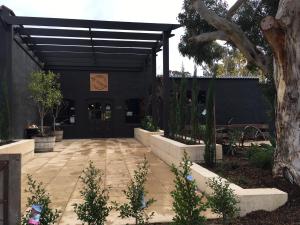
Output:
[[44, 144], [58, 135]]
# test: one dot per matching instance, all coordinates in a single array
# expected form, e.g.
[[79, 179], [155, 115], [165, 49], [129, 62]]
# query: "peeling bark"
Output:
[[283, 34]]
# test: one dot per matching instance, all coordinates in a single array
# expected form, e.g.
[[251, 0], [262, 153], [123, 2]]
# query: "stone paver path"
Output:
[[59, 171]]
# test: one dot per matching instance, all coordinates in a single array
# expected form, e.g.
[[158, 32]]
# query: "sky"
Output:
[[153, 11]]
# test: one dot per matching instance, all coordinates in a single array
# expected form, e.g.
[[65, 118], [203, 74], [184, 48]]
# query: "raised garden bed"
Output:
[[143, 136], [238, 170], [171, 152], [23, 147]]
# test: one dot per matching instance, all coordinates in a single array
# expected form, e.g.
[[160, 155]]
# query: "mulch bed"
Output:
[[238, 170]]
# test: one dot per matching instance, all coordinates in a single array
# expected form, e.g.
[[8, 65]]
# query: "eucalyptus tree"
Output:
[[267, 33]]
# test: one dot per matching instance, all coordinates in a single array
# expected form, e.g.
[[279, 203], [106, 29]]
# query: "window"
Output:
[[95, 111], [107, 112], [133, 110], [67, 112]]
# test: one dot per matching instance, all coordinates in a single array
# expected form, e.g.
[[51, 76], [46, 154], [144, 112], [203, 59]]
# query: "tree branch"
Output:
[[234, 8], [212, 36], [235, 34]]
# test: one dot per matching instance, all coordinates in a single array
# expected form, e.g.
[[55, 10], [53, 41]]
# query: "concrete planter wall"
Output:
[[171, 152], [251, 200], [143, 136], [23, 147]]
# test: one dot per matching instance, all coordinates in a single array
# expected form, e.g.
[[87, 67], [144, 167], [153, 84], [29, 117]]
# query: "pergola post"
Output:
[[166, 82], [6, 34], [153, 96]]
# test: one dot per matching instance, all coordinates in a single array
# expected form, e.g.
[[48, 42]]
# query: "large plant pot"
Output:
[[44, 144], [58, 135]]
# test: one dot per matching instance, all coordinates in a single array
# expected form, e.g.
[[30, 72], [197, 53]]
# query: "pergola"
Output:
[[72, 44]]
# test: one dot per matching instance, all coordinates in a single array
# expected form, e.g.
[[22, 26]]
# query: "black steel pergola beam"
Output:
[[92, 64], [90, 54], [87, 42], [78, 59], [94, 68], [116, 50], [85, 33], [115, 25], [91, 60]]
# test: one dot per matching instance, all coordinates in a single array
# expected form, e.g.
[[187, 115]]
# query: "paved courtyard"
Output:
[[59, 171]]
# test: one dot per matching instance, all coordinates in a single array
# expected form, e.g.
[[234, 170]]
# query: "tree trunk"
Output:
[[283, 34]]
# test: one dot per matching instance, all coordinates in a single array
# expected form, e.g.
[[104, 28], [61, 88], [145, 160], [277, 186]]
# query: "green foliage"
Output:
[[38, 195], [135, 194], [179, 118], [195, 123], [94, 209], [45, 91], [210, 130], [173, 116], [261, 156], [223, 201], [4, 113], [233, 63], [210, 52], [149, 124], [202, 132], [187, 204]]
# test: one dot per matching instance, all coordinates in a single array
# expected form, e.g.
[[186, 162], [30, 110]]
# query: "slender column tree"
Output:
[[210, 134]]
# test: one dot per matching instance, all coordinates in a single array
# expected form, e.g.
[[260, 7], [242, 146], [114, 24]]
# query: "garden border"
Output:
[[23, 147], [171, 151], [250, 199], [143, 135]]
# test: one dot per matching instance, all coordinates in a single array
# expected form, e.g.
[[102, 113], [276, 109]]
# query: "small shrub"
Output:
[[261, 156], [39, 196], [94, 209], [223, 201], [135, 194], [187, 204], [149, 124]]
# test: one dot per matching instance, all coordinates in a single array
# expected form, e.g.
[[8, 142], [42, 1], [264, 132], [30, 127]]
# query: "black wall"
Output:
[[121, 86], [239, 100], [23, 110]]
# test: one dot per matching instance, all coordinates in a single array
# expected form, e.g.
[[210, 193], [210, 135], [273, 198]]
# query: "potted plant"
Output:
[[45, 91]]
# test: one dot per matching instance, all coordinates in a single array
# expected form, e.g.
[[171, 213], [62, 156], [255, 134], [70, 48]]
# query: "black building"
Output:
[[106, 69], [239, 100], [107, 74]]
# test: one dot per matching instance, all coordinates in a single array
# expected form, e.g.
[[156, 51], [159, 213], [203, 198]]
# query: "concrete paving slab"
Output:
[[117, 158]]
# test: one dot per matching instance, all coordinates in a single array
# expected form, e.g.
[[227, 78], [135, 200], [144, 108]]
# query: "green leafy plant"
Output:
[[38, 195], [210, 129], [45, 91], [187, 203], [261, 156], [223, 201], [149, 124], [195, 123], [135, 194], [94, 209]]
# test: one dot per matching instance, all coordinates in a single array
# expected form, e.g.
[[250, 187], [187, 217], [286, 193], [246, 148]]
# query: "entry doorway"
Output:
[[100, 118]]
